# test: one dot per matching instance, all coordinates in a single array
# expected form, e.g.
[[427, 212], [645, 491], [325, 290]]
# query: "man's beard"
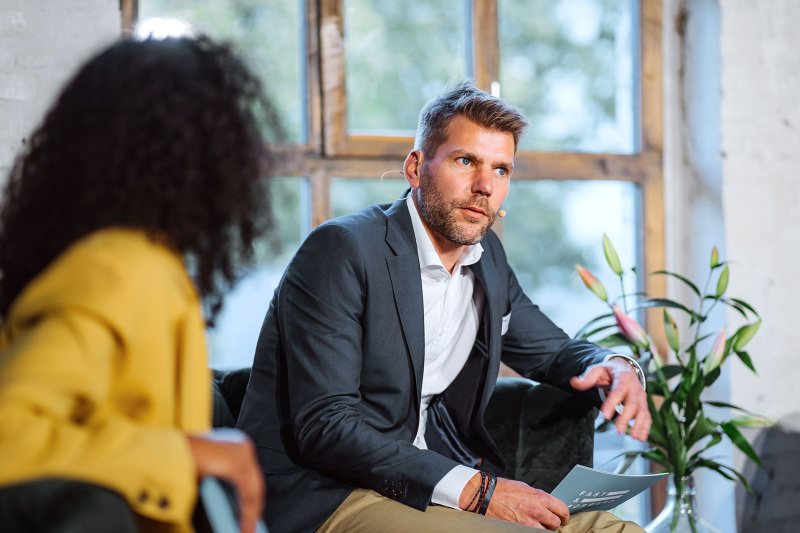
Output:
[[440, 216]]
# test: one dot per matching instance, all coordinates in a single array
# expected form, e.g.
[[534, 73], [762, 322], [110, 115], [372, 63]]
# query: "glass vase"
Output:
[[680, 510]]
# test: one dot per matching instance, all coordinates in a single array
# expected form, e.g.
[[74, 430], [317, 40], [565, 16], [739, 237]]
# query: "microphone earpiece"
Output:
[[501, 213]]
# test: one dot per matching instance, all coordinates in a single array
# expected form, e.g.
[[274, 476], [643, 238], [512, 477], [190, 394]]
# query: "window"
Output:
[[350, 77]]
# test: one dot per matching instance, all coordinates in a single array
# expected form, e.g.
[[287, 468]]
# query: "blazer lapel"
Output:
[[407, 286], [488, 277]]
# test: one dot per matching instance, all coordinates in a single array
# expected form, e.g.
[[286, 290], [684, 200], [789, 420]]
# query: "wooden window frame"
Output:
[[331, 152]]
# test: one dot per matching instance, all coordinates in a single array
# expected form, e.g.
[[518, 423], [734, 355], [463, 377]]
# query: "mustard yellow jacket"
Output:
[[102, 373]]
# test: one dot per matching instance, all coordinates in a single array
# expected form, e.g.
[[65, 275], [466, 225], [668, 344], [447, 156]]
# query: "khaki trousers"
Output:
[[366, 511]]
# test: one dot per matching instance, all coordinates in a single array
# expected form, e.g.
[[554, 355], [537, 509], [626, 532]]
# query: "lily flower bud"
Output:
[[714, 257], [714, 357], [611, 255], [745, 336], [591, 282], [630, 328], [722, 282], [672, 332]]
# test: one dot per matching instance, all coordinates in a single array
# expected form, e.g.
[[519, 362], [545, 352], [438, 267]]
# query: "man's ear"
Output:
[[412, 168]]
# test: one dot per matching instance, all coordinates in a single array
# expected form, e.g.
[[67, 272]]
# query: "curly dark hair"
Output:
[[160, 135]]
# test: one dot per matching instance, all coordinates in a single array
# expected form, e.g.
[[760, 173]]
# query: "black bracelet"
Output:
[[477, 493], [488, 496]]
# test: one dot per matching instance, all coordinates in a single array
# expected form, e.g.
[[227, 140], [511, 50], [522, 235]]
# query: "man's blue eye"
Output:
[[464, 160], [502, 171]]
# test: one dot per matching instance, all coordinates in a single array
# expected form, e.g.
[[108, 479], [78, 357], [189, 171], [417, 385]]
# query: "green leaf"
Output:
[[675, 439], [693, 400], [720, 469], [746, 306], [614, 340], [745, 358], [678, 276], [670, 371], [595, 320], [741, 310], [712, 376], [702, 428], [722, 282], [744, 335], [665, 302], [740, 442], [595, 331], [611, 255], [698, 341], [658, 457], [657, 428], [752, 421], [730, 406]]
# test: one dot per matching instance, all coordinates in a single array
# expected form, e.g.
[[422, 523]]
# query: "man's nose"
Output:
[[483, 182]]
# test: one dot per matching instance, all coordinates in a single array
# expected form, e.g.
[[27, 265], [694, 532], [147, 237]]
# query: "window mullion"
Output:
[[485, 43]]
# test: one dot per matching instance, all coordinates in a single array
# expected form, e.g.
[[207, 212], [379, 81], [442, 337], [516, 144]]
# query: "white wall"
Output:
[[761, 143], [41, 43]]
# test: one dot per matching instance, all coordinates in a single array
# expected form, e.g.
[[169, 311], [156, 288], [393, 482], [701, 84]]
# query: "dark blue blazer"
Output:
[[334, 397]]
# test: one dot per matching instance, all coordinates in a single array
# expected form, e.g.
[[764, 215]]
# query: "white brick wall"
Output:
[[42, 42]]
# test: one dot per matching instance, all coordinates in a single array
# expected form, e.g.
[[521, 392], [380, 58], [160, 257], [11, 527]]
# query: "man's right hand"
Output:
[[516, 501]]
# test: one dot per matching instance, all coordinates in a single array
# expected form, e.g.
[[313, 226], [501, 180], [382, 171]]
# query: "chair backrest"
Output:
[[229, 387]]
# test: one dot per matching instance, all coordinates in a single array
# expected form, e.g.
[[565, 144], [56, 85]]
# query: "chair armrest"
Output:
[[542, 432]]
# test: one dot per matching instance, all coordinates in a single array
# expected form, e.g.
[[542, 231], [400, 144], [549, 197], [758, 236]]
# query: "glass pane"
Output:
[[572, 65], [552, 225], [271, 35], [399, 55], [232, 342], [350, 195]]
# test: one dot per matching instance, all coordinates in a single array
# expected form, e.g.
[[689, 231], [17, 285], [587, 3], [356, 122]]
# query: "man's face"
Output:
[[465, 182]]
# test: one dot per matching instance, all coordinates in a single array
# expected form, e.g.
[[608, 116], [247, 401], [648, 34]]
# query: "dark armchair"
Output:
[[541, 431]]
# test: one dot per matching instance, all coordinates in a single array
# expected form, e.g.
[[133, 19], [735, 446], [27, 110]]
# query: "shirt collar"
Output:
[[428, 257]]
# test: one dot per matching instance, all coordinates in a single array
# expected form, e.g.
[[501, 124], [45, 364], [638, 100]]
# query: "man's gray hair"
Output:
[[463, 98]]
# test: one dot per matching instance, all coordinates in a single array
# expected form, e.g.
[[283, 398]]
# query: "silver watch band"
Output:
[[634, 364]]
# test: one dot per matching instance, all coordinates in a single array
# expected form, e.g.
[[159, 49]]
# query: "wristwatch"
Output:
[[636, 368]]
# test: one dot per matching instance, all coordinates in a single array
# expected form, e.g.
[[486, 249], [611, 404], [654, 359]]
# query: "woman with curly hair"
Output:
[[146, 167]]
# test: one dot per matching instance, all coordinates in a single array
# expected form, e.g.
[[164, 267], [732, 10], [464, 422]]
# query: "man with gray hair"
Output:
[[382, 344]]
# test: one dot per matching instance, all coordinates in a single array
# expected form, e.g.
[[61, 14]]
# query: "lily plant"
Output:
[[682, 432]]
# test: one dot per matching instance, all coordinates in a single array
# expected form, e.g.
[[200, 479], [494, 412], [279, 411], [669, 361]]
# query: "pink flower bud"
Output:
[[630, 328], [714, 357], [591, 282]]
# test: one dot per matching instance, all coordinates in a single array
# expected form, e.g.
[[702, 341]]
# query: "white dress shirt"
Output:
[[453, 305]]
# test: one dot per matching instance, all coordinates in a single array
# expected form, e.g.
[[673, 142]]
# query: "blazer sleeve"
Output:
[[320, 305], [538, 349]]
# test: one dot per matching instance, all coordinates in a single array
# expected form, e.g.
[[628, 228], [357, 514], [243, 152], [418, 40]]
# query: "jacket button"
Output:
[[142, 497], [163, 503]]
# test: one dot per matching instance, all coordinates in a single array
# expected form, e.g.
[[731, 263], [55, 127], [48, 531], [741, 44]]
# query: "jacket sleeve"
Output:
[[538, 349], [55, 421], [89, 368], [320, 303]]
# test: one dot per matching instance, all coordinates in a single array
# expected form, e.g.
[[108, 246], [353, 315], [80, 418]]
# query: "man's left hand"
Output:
[[622, 388]]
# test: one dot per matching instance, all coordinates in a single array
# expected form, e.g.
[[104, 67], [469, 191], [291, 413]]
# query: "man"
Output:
[[382, 344]]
